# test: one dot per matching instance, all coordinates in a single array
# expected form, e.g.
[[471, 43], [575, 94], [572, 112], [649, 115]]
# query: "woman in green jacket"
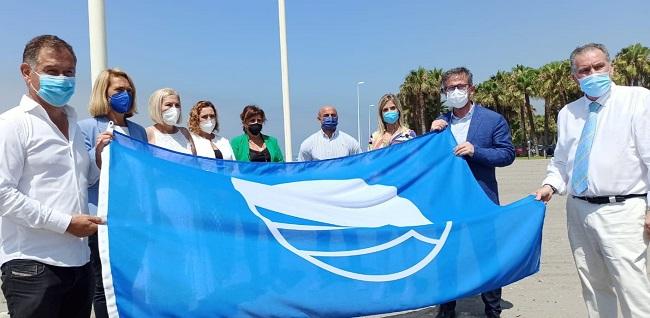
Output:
[[253, 145]]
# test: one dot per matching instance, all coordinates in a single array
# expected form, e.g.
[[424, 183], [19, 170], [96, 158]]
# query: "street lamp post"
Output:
[[369, 116], [359, 114]]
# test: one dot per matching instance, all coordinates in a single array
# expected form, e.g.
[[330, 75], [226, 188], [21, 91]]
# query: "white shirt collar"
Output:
[[467, 116], [28, 105], [602, 100], [334, 135]]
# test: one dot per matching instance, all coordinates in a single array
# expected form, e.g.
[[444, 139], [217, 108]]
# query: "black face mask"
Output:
[[254, 129]]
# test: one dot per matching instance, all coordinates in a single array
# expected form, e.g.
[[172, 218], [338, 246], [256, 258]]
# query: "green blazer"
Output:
[[240, 148]]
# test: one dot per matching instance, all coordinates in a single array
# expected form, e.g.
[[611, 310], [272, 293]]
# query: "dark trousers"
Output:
[[99, 298], [491, 299], [34, 289]]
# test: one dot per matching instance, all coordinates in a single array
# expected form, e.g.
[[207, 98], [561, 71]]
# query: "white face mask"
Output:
[[207, 126], [170, 116], [457, 98]]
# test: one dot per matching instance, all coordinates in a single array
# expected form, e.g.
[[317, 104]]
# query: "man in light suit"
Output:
[[601, 163], [484, 141]]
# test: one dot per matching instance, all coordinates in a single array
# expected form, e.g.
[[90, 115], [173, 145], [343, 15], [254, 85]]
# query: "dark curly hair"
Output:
[[195, 120]]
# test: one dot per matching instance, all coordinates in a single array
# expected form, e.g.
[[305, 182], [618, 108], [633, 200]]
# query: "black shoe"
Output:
[[492, 315], [446, 314]]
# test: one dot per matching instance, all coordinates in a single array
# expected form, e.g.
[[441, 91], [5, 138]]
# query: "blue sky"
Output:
[[228, 51]]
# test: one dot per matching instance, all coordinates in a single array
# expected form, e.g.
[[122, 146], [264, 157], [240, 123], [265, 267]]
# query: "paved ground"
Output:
[[555, 290]]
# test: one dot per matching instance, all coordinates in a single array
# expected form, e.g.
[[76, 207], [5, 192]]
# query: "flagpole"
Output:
[[97, 34], [285, 82]]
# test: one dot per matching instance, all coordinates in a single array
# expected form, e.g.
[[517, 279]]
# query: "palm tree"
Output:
[[407, 102], [491, 94], [433, 104], [487, 94], [525, 78], [557, 88], [632, 66], [420, 87], [507, 95], [550, 75]]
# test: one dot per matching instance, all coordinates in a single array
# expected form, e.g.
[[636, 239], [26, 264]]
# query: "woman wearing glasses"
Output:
[[253, 145], [204, 126], [391, 125]]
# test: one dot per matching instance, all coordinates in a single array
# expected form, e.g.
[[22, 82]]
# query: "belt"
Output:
[[610, 199]]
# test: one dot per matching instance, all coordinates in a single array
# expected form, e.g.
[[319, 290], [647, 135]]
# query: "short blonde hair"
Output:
[[156, 102], [99, 105], [193, 124]]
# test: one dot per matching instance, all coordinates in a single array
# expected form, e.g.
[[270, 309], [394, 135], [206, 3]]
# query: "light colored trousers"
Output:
[[609, 248]]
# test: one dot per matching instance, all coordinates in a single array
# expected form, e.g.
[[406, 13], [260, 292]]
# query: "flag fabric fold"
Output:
[[399, 228]]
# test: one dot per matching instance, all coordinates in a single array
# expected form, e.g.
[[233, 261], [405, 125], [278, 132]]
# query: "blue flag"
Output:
[[399, 228]]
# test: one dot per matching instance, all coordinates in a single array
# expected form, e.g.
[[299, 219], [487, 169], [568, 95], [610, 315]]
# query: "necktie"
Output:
[[579, 179]]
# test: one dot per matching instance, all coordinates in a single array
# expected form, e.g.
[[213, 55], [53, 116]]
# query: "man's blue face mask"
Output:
[[595, 85], [55, 90], [329, 123]]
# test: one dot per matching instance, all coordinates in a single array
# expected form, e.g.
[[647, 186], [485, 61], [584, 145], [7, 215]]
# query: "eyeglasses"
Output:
[[328, 115], [462, 87]]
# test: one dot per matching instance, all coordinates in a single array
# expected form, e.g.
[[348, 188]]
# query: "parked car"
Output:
[[521, 151], [550, 150]]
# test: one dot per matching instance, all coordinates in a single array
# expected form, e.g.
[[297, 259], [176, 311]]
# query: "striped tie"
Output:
[[579, 179]]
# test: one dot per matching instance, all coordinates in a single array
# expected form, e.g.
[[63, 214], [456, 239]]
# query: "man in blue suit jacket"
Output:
[[484, 140]]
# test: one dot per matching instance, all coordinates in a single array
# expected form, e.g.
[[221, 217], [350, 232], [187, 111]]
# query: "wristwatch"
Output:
[[552, 187]]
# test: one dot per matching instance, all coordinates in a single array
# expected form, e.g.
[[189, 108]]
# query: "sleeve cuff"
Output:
[[58, 222], [558, 186], [478, 152]]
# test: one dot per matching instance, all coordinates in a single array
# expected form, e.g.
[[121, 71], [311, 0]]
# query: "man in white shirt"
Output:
[[601, 162], [328, 142], [44, 175]]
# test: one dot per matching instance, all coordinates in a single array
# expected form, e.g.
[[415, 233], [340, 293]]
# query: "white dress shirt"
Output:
[[44, 179], [319, 146], [620, 155], [460, 126]]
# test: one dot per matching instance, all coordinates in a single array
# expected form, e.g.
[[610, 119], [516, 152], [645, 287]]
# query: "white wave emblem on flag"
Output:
[[341, 205]]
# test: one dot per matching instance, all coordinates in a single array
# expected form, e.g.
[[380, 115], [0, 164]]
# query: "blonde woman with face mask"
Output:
[[165, 112], [204, 126], [391, 125]]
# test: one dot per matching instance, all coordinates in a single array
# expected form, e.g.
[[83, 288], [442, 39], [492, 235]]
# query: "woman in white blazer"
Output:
[[204, 126]]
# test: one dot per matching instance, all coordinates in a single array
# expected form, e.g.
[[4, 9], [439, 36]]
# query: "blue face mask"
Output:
[[329, 123], [595, 85], [55, 90], [120, 102], [391, 116]]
